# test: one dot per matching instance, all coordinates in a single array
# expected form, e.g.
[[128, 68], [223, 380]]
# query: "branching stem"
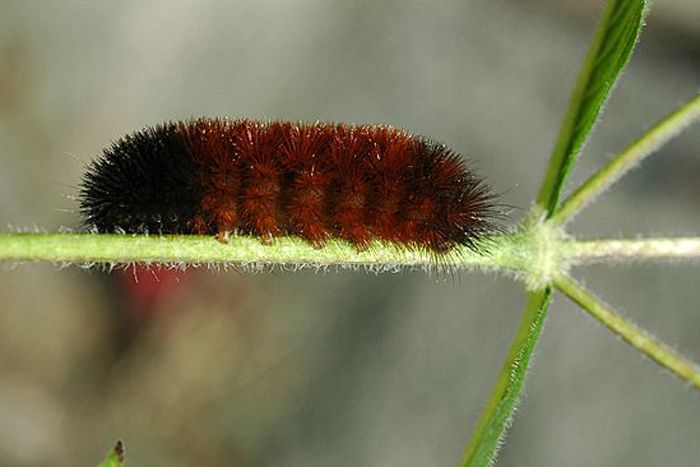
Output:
[[630, 333], [657, 136], [637, 249]]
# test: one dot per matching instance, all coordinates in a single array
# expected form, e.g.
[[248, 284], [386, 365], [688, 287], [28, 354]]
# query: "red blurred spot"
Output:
[[145, 289]]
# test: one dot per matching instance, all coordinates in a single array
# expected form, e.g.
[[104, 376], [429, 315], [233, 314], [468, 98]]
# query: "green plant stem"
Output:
[[489, 431], [587, 251], [649, 142], [630, 333], [503, 251], [528, 252]]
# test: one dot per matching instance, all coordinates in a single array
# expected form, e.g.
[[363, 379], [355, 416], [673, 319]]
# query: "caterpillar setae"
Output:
[[318, 181]]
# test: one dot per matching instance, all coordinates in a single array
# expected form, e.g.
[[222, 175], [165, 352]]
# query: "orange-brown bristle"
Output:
[[317, 181]]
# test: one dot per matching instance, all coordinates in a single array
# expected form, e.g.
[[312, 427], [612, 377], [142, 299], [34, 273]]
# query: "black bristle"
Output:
[[142, 183]]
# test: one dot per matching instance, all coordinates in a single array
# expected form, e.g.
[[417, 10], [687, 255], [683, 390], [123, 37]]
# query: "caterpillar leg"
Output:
[[223, 236]]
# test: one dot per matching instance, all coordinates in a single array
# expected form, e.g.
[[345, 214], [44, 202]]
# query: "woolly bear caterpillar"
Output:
[[317, 181]]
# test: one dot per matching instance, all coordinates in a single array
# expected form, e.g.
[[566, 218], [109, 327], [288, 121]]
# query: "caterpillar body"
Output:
[[318, 181]]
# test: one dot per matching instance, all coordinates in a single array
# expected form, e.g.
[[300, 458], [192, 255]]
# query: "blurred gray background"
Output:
[[337, 369]]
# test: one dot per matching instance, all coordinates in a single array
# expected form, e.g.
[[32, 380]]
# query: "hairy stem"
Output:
[[630, 333], [649, 142], [489, 431], [586, 251], [536, 253], [501, 252]]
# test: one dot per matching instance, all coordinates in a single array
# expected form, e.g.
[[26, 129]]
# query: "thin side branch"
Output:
[[647, 144], [588, 251], [633, 335]]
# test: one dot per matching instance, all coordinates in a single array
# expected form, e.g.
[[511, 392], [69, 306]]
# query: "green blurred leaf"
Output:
[[116, 457], [613, 43]]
